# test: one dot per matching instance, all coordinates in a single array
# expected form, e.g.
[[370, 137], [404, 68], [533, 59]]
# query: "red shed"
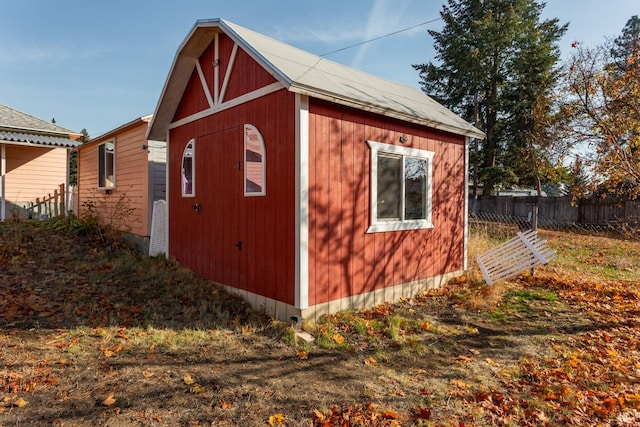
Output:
[[304, 185]]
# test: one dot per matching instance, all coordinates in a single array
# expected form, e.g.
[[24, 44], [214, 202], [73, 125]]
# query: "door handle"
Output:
[[238, 245], [196, 207]]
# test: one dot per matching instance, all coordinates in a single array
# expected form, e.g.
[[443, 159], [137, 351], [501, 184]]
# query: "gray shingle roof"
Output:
[[10, 117], [308, 74], [19, 127]]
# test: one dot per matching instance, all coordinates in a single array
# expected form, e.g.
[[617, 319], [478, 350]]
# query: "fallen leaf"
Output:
[[188, 380], [421, 413], [370, 361], [339, 339], [147, 374], [197, 389], [302, 355], [225, 405], [389, 415], [491, 362], [19, 402], [459, 383], [109, 400], [319, 416], [276, 419]]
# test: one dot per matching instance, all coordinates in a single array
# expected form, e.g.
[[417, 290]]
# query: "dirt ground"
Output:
[[92, 333]]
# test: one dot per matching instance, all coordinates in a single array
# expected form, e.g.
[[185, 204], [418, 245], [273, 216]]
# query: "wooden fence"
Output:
[[49, 206], [560, 210]]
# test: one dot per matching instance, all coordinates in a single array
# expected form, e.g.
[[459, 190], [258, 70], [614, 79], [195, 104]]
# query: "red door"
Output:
[[216, 216]]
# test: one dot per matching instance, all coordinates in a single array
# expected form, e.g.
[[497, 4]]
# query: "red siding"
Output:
[[204, 241], [343, 259], [225, 47], [195, 102], [206, 64], [247, 76]]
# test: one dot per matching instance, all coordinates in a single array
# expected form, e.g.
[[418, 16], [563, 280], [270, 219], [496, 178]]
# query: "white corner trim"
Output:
[[302, 203], [465, 255]]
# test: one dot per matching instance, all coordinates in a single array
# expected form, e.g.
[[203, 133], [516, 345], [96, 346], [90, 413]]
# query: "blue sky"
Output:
[[100, 64]]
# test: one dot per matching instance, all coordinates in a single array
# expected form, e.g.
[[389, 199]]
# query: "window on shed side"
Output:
[[106, 165], [400, 188], [188, 170], [254, 162]]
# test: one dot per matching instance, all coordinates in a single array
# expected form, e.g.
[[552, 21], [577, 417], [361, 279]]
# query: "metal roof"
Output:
[[307, 74], [24, 138]]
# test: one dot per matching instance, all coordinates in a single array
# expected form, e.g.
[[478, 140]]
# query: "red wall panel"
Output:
[[205, 240], [343, 259]]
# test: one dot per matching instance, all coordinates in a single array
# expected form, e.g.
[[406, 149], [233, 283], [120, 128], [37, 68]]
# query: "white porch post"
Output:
[[3, 172]]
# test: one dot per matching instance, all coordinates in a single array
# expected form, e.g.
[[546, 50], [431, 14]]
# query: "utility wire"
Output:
[[380, 37]]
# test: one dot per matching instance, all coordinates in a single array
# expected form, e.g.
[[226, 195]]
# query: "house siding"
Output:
[[157, 171], [132, 181], [345, 261], [33, 172]]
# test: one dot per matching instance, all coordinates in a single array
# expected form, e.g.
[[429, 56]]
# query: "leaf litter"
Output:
[[97, 336]]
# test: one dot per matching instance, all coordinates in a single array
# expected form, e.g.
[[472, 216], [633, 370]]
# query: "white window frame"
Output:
[[382, 225], [102, 160], [263, 163], [191, 142]]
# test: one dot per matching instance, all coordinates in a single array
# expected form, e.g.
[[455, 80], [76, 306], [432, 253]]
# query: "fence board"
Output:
[[560, 210], [50, 206]]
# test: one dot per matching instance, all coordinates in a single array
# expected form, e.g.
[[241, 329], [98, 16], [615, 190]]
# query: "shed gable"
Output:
[[221, 76]]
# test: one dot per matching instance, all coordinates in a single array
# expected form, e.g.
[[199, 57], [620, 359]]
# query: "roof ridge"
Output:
[[28, 125]]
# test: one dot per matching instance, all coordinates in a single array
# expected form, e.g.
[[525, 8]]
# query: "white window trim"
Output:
[[264, 163], [378, 225], [104, 159], [193, 168]]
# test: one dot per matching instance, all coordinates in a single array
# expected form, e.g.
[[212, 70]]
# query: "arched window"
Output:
[[188, 170], [255, 162]]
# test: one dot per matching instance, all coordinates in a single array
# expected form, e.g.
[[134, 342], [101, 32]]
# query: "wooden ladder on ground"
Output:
[[515, 256]]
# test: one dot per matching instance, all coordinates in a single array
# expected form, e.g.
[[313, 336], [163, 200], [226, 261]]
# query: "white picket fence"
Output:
[[515, 256]]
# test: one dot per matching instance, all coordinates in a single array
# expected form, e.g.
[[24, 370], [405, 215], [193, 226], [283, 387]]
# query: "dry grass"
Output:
[[95, 334]]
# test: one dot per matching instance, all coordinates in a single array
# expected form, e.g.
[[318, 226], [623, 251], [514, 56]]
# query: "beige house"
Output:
[[34, 165], [120, 175]]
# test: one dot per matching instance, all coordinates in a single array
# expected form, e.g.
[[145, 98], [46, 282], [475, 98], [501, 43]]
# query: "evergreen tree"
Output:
[[626, 44], [73, 159], [495, 67]]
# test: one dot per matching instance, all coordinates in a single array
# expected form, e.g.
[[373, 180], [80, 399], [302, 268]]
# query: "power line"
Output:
[[381, 37]]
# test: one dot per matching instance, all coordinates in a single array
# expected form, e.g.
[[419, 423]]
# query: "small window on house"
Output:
[[254, 161], [400, 188], [106, 165], [188, 169]]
